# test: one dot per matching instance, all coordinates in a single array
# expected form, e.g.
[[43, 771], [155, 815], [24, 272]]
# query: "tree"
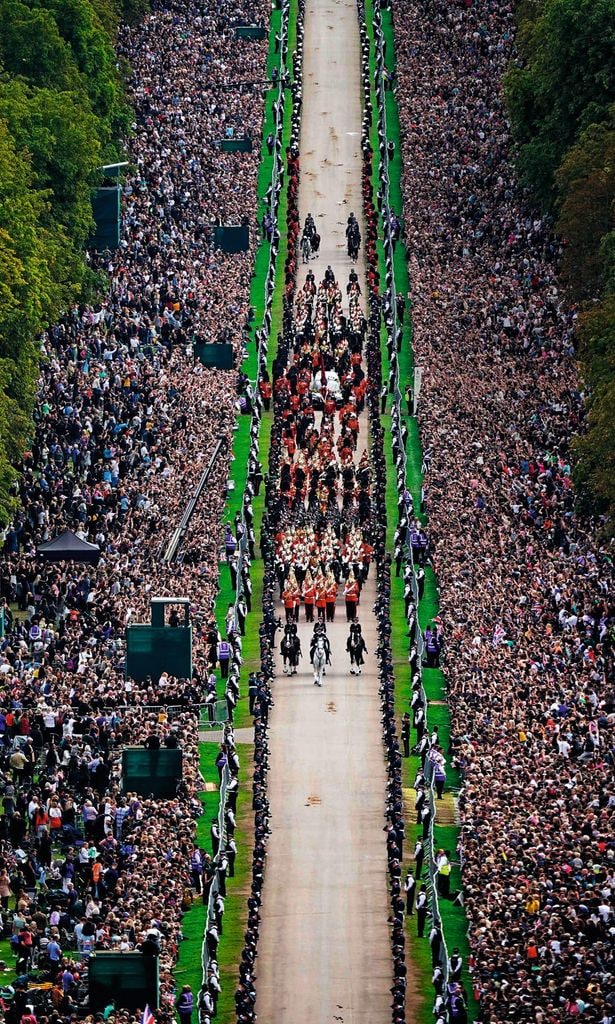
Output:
[[112, 12], [61, 136], [80, 26], [32, 48], [607, 254], [586, 188], [560, 97], [36, 274], [67, 46], [564, 82], [594, 472], [62, 114], [133, 11], [596, 342]]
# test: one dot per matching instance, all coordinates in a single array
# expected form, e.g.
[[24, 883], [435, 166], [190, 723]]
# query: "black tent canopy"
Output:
[[68, 547]]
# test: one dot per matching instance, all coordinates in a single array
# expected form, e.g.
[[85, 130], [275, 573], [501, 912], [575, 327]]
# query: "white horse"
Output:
[[319, 660]]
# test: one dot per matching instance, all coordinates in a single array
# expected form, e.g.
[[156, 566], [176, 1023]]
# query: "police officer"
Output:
[[252, 690], [410, 891], [421, 912], [405, 733]]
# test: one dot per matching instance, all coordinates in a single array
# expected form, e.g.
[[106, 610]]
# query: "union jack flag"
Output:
[[498, 635]]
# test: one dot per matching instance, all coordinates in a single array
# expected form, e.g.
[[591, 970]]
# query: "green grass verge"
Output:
[[241, 442], [238, 888], [236, 914], [251, 648], [188, 968], [454, 920]]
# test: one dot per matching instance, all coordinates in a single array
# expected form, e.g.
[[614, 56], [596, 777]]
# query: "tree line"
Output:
[[63, 114], [560, 92]]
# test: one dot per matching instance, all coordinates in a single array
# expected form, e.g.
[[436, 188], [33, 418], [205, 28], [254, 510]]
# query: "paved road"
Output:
[[324, 949]]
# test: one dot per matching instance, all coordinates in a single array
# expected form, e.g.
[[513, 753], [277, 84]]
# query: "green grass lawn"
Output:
[[238, 888], [241, 446], [446, 835], [188, 969]]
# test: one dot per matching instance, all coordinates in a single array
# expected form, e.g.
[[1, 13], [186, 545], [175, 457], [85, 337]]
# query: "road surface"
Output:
[[324, 950]]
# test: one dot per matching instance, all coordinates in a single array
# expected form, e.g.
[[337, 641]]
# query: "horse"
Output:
[[354, 240], [290, 648], [306, 249], [355, 645], [319, 660]]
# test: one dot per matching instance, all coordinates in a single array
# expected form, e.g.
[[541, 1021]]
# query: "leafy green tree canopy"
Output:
[[586, 189], [564, 82], [62, 115]]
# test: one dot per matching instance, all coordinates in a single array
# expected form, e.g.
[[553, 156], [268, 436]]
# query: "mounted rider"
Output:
[[320, 631], [356, 647], [290, 648]]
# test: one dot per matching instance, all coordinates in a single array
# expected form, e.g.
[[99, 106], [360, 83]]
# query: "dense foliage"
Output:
[[62, 110], [561, 99]]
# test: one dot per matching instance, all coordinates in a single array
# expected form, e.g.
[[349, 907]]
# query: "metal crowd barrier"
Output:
[[261, 336], [215, 885], [212, 716], [178, 535], [397, 420]]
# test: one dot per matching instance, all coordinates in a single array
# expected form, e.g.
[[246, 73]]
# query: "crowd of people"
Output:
[[126, 420], [88, 866], [525, 582]]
